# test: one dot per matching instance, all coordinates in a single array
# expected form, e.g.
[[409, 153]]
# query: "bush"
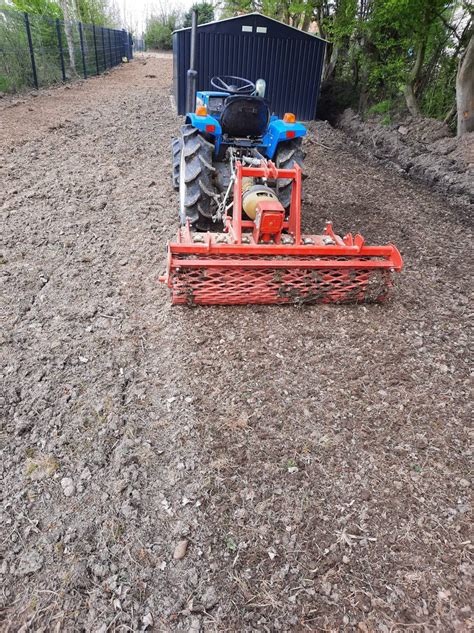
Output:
[[205, 13], [159, 29], [383, 107], [158, 35]]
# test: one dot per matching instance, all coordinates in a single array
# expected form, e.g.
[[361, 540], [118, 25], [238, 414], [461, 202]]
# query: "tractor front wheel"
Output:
[[287, 154], [197, 194]]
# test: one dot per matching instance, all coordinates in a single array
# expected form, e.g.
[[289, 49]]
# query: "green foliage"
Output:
[[6, 85], [398, 53], [381, 108], [15, 61], [397, 29], [231, 544], [158, 35], [288, 11], [159, 30], [440, 93], [232, 8], [395, 49], [205, 13], [95, 12], [87, 11], [49, 8], [341, 24]]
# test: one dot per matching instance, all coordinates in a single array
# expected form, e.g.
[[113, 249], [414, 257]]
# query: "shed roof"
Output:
[[262, 17]]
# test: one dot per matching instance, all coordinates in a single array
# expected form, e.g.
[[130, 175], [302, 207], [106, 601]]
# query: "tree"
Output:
[[69, 14], [465, 90], [338, 27], [158, 35], [205, 13], [160, 27], [423, 28], [49, 8], [96, 12], [297, 13], [87, 11], [387, 56]]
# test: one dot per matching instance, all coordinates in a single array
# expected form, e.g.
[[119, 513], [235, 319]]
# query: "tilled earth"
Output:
[[314, 460], [422, 148]]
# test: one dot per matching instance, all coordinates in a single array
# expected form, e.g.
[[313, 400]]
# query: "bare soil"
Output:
[[420, 148], [312, 463]]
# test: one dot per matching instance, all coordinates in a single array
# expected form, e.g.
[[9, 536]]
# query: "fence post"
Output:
[[60, 46], [114, 47], [124, 46], [81, 38], [110, 48], [32, 53], [103, 48], [95, 50]]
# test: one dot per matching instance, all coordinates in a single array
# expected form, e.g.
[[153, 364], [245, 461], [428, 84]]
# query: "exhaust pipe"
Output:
[[191, 77]]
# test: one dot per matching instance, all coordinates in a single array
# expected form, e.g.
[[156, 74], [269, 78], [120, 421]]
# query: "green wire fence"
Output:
[[38, 51]]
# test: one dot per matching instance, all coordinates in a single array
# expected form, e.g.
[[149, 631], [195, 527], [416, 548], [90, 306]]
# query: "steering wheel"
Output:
[[230, 84]]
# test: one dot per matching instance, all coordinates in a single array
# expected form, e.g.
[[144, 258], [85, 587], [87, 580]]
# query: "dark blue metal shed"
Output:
[[254, 46]]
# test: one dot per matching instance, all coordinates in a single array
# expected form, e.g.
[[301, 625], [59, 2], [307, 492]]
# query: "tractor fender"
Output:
[[206, 124], [279, 131]]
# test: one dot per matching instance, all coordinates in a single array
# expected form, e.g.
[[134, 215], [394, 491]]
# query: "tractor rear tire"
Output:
[[287, 154], [197, 194], [175, 157]]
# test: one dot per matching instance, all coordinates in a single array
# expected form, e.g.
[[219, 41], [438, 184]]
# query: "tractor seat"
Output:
[[244, 116]]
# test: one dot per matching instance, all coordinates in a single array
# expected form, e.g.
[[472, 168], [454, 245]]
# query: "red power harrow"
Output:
[[268, 260]]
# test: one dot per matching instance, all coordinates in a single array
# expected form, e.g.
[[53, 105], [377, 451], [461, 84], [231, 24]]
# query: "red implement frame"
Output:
[[233, 268]]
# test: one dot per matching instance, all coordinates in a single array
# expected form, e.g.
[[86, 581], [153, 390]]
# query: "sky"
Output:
[[134, 12]]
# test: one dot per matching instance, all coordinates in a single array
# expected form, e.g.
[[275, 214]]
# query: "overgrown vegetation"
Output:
[[15, 61], [101, 12], [162, 23], [205, 13], [405, 54], [159, 29]]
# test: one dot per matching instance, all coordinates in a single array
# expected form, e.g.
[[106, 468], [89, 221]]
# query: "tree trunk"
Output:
[[411, 85], [68, 30], [306, 21], [465, 90], [331, 66], [286, 12], [450, 114], [319, 18], [363, 94], [410, 99]]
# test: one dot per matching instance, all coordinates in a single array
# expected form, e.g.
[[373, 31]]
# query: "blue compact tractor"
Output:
[[232, 122], [239, 169]]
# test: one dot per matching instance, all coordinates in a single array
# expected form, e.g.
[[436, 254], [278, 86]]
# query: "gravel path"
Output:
[[309, 466]]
